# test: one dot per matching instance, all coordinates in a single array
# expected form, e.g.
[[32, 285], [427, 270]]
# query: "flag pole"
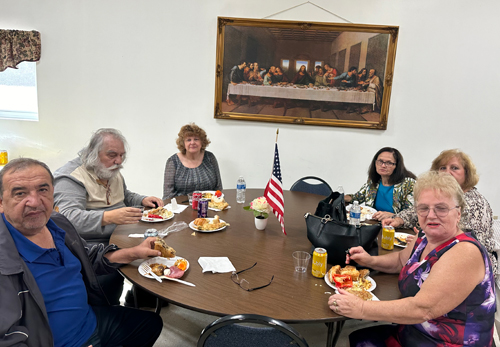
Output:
[[277, 132]]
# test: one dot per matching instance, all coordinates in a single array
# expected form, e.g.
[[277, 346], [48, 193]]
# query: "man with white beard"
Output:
[[91, 192]]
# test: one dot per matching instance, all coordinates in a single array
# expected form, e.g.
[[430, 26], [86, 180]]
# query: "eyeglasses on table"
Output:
[[243, 283]]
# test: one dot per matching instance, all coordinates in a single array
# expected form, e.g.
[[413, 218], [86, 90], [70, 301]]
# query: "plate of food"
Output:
[[207, 194], [354, 281], [351, 276], [156, 215], [174, 267], [217, 202], [208, 225], [169, 264], [366, 212], [400, 239]]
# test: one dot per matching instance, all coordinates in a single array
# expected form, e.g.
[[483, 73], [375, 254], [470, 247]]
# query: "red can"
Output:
[[196, 198], [203, 208]]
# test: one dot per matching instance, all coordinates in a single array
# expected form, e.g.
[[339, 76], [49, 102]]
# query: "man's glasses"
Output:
[[243, 283], [440, 211], [385, 163]]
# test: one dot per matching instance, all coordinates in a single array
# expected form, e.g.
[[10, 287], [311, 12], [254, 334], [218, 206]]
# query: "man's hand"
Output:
[[126, 255], [150, 202], [124, 215]]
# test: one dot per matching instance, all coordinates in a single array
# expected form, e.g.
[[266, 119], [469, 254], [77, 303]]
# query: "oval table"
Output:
[[292, 297]]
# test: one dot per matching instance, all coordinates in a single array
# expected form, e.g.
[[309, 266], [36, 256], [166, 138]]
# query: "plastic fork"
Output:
[[147, 269]]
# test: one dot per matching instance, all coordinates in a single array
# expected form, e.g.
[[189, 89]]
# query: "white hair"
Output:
[[90, 154]]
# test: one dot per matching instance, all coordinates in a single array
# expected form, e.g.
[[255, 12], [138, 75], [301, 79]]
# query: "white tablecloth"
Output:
[[289, 92]]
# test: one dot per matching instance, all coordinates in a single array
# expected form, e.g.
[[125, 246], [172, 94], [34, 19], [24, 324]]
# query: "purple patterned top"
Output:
[[470, 323]]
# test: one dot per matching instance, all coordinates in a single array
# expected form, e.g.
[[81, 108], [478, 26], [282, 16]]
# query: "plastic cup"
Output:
[[140, 208], [190, 198], [301, 260]]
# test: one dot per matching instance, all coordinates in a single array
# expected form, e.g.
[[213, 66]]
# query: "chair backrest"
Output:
[[321, 188], [249, 330]]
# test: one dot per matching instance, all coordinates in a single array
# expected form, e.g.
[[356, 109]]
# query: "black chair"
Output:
[[250, 330], [321, 188]]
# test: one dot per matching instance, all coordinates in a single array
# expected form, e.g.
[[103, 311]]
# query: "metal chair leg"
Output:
[[332, 338]]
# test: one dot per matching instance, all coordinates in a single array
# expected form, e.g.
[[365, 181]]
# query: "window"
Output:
[[299, 63], [318, 63], [18, 96], [285, 64]]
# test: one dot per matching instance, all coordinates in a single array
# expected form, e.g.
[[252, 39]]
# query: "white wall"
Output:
[[147, 67]]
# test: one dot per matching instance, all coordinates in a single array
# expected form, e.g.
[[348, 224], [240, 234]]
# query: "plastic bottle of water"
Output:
[[241, 186], [355, 214], [340, 189]]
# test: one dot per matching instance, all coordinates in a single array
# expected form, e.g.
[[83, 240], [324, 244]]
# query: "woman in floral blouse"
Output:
[[390, 185], [477, 215], [445, 278]]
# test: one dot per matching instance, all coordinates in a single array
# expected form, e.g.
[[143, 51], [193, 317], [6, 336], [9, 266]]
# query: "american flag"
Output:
[[274, 191]]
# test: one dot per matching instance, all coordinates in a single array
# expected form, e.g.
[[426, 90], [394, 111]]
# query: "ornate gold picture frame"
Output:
[[304, 72]]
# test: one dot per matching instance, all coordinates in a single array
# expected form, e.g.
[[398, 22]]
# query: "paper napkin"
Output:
[[216, 264], [179, 208]]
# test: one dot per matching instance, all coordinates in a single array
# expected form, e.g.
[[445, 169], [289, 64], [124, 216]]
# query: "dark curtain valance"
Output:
[[17, 46]]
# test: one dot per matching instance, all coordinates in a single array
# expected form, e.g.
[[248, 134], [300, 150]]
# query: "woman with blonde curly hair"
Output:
[[477, 215], [445, 279], [193, 168]]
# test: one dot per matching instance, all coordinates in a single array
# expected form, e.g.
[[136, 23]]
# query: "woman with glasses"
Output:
[[389, 188], [477, 215], [445, 278]]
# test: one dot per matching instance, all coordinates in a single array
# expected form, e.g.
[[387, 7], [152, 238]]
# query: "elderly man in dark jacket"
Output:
[[49, 290]]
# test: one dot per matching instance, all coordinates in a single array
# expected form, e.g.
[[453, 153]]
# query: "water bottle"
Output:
[[340, 189], [241, 186], [355, 214]]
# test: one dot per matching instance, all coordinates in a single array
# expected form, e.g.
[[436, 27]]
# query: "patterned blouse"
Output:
[[470, 323], [402, 197], [477, 216], [180, 180]]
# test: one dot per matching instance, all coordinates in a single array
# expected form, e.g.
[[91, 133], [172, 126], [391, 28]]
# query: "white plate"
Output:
[[366, 212], [155, 220], [374, 285], [398, 234], [217, 210], [211, 192], [160, 260], [192, 226]]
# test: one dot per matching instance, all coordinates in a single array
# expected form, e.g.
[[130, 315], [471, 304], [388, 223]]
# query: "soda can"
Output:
[[4, 158], [319, 262], [387, 238], [196, 198], [202, 208]]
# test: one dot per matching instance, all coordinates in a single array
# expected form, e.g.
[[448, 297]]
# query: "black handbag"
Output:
[[334, 206], [337, 237]]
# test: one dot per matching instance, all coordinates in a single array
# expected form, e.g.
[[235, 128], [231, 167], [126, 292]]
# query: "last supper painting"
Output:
[[305, 73]]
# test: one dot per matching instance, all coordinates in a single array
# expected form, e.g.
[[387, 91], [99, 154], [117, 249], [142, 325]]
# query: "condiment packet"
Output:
[[216, 264]]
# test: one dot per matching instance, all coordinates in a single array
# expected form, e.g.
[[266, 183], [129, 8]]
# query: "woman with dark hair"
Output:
[[193, 168], [389, 188], [302, 77]]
